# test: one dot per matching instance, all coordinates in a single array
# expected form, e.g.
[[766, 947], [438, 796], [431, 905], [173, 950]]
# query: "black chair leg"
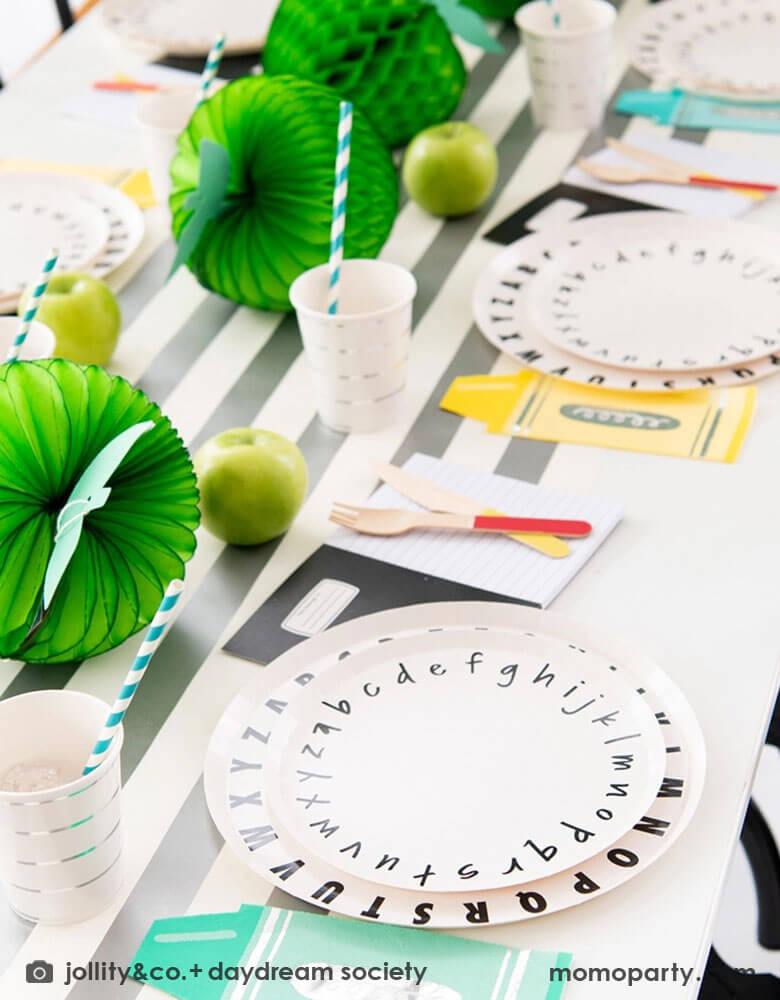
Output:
[[721, 982], [231, 67], [764, 860], [773, 736], [65, 13]]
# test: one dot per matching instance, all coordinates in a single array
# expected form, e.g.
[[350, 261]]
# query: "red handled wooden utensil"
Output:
[[389, 521], [128, 86], [612, 174]]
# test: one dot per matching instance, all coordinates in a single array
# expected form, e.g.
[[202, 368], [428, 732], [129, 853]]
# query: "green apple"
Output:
[[450, 169], [252, 484], [83, 315]]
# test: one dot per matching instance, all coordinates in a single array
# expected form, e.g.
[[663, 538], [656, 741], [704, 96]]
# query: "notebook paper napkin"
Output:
[[489, 562], [266, 952], [717, 204], [117, 109]]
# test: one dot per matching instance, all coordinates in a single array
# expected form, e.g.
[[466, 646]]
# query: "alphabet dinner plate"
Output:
[[637, 300], [475, 757], [239, 774], [718, 45], [189, 27]]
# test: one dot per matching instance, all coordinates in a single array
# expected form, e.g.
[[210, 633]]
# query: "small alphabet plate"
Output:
[[474, 758], [657, 291], [242, 783]]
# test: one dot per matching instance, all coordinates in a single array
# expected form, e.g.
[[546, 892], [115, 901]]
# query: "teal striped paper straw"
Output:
[[152, 640], [32, 306], [213, 60], [339, 205]]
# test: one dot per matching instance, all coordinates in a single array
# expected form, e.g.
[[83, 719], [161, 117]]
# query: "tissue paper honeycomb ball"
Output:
[[56, 416], [499, 10], [395, 59], [281, 135]]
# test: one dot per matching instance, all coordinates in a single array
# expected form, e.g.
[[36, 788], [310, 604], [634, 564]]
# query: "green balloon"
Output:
[[280, 133], [395, 59], [56, 417]]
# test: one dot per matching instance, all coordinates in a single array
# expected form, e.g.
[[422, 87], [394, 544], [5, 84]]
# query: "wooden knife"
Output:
[[433, 497]]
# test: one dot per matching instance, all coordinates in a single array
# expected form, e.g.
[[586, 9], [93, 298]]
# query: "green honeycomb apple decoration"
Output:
[[57, 417], [395, 59], [500, 10], [269, 221]]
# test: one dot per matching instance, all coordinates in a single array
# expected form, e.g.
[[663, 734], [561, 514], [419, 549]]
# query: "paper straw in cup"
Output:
[[339, 205], [38, 344], [32, 306], [358, 359], [152, 640], [568, 60], [60, 842], [213, 60], [555, 12]]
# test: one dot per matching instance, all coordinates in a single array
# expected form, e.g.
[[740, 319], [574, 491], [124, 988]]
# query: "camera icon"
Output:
[[40, 972]]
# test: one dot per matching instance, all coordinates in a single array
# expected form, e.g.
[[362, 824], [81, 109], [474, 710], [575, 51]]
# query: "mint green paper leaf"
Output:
[[89, 493], [466, 24], [206, 202]]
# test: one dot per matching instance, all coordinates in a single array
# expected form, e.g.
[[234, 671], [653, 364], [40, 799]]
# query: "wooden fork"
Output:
[[390, 521], [612, 174]]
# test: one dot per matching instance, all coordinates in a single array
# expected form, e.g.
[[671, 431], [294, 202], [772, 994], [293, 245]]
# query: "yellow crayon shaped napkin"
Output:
[[136, 184], [708, 424]]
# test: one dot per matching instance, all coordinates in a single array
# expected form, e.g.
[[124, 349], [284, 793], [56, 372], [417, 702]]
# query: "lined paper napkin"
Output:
[[490, 562], [719, 204], [116, 109]]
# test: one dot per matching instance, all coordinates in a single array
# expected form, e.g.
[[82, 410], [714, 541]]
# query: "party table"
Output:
[[690, 575]]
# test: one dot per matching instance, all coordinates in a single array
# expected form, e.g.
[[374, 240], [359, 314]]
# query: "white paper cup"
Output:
[[353, 388], [567, 62], [39, 342], [60, 849], [161, 117], [357, 359]]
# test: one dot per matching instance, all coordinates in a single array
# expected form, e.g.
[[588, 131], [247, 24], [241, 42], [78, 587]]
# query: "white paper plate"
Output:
[[715, 45], [36, 216], [122, 218], [273, 853], [463, 758], [189, 27], [660, 291], [125, 221], [499, 295]]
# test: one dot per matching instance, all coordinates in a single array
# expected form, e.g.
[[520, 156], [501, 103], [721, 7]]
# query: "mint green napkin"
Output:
[[305, 955]]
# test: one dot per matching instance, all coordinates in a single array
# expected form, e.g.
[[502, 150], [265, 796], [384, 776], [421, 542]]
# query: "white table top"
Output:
[[690, 575]]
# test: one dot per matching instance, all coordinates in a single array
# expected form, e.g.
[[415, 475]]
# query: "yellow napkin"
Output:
[[708, 424], [136, 184]]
